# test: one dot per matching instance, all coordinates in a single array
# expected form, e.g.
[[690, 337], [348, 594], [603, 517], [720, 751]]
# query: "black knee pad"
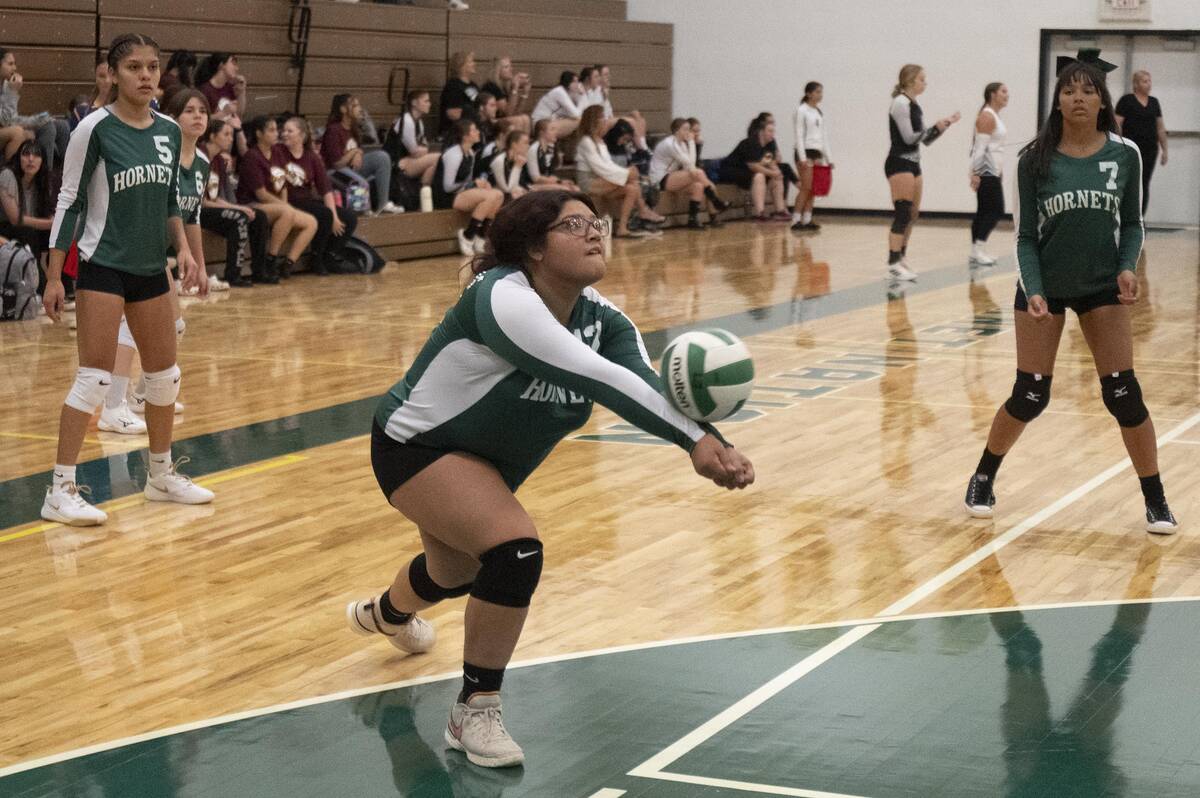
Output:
[[902, 216], [427, 589], [509, 573], [1123, 397], [1030, 395]]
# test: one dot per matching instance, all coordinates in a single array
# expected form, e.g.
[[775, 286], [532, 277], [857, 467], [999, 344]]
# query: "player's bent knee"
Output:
[[509, 573], [901, 216], [89, 389], [1123, 397], [427, 589], [1030, 395], [162, 387]]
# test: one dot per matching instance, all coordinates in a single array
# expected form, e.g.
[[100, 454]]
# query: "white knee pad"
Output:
[[162, 387], [89, 389], [180, 326], [124, 336]]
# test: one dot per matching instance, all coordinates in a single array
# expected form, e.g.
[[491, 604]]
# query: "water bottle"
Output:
[[426, 199]]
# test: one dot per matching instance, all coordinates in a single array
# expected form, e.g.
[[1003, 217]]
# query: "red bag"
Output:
[[822, 179], [71, 264]]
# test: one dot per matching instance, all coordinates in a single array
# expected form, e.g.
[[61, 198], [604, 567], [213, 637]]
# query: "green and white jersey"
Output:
[[501, 378], [193, 183], [124, 183], [1081, 225]]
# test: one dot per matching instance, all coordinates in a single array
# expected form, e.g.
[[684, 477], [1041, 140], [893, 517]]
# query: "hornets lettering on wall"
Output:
[[542, 391]]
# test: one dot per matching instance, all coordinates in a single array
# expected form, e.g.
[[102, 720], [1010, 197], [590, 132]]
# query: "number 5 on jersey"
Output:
[[163, 145], [1111, 168]]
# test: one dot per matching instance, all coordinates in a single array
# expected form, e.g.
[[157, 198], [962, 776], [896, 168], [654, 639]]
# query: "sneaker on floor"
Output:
[[456, 5], [175, 487], [390, 207], [900, 271], [982, 258], [121, 419], [980, 498], [137, 403], [66, 505], [415, 637], [466, 246], [781, 216], [215, 283], [1159, 520], [811, 226], [476, 729]]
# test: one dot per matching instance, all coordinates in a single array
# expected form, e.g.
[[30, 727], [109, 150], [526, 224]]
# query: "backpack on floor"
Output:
[[405, 191], [18, 282], [360, 257]]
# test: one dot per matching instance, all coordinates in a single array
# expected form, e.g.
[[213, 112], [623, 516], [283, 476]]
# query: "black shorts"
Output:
[[895, 165], [740, 176], [1079, 304], [662, 184], [395, 463], [132, 287], [813, 155]]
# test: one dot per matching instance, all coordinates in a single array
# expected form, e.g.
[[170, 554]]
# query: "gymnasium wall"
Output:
[[732, 60]]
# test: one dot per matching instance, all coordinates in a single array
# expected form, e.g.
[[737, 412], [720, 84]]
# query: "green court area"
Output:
[[1076, 701]]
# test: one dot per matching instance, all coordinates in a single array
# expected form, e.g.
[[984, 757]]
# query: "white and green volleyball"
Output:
[[707, 374]]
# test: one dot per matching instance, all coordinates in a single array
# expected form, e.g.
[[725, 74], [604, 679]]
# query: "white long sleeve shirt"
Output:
[[670, 155], [809, 125], [556, 104], [594, 159]]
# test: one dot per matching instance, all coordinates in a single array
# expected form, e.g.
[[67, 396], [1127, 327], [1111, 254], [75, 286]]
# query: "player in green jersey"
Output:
[[1079, 234], [120, 200], [511, 370]]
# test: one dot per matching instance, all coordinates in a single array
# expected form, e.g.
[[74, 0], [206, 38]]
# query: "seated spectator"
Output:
[[455, 186], [673, 169], [309, 190], [512, 95], [263, 186], [696, 145], [99, 98], [508, 165], [243, 228], [490, 137], [179, 74], [407, 143], [51, 134], [224, 86], [560, 105], [544, 159], [608, 182], [460, 95], [28, 198], [635, 118], [343, 156], [593, 90], [753, 166]]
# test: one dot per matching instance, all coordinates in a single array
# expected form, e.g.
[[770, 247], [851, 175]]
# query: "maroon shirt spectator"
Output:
[[305, 176], [255, 172], [216, 96], [334, 144]]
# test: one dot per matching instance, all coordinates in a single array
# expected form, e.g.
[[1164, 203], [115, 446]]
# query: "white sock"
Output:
[[797, 217], [63, 474], [807, 217], [160, 464], [116, 394]]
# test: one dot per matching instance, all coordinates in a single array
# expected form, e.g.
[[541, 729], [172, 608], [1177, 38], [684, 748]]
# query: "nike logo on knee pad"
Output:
[[521, 555]]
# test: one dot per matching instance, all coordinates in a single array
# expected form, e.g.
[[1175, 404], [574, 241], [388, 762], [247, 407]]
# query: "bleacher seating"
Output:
[[352, 47]]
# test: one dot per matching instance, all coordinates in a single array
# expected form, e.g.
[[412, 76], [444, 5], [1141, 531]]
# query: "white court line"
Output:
[[1189, 443], [652, 768], [607, 792], [455, 675]]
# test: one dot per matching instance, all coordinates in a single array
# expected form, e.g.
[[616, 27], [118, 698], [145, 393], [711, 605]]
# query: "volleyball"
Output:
[[707, 374]]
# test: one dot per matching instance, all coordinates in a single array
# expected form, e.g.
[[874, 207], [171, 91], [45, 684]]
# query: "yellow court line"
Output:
[[93, 441], [131, 501]]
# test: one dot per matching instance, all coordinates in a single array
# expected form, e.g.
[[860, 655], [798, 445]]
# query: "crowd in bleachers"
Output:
[[280, 188]]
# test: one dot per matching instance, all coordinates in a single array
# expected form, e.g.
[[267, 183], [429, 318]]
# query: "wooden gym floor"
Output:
[[871, 667]]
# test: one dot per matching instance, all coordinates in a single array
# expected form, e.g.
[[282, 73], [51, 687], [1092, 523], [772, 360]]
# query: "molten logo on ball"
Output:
[[707, 374]]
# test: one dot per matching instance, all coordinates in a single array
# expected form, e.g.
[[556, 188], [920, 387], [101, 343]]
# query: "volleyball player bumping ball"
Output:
[[1079, 235], [513, 367], [121, 172]]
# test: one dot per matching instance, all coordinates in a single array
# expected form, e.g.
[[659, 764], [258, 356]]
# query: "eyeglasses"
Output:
[[578, 225]]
